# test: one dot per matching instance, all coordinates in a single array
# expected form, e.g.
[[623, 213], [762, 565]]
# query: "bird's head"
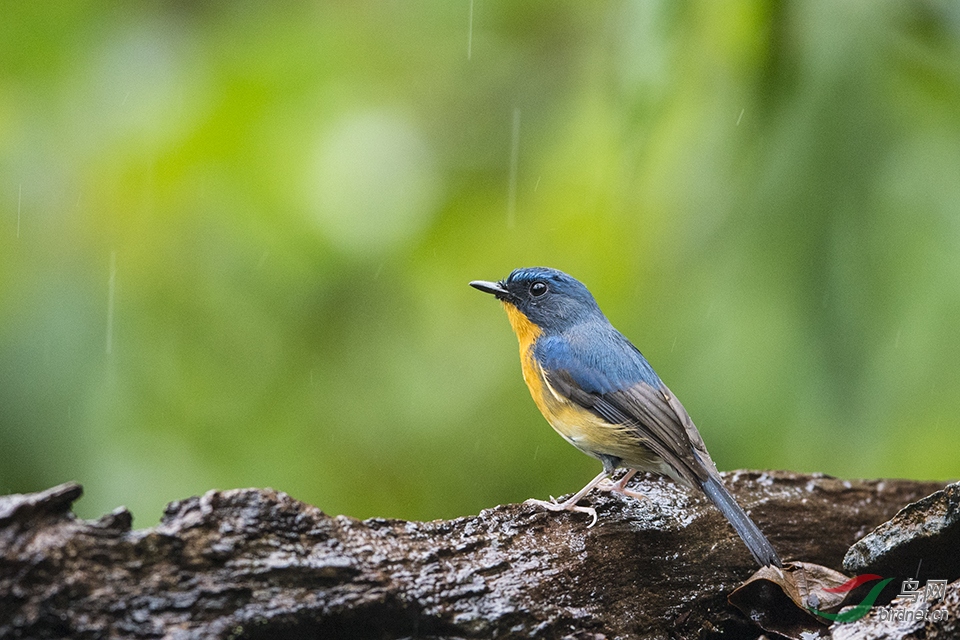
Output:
[[550, 299]]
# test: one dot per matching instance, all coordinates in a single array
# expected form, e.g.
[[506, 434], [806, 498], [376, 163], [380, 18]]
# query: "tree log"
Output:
[[255, 563]]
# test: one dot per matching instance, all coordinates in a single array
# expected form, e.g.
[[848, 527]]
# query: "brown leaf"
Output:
[[780, 600]]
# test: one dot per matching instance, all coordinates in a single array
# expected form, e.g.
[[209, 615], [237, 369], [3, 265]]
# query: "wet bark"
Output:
[[255, 563]]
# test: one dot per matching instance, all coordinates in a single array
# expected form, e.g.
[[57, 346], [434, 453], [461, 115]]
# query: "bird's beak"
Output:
[[495, 288]]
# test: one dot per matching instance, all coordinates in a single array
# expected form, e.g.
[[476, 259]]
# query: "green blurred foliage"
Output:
[[236, 238]]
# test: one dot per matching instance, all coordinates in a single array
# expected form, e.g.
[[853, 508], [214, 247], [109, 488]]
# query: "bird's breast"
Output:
[[577, 425]]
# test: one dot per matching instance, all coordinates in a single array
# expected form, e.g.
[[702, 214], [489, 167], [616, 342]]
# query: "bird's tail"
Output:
[[758, 544]]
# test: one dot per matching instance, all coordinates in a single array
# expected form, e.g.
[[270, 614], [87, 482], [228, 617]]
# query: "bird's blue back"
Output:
[[597, 356]]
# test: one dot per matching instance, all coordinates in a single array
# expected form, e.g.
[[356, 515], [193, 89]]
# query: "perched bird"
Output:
[[598, 391]]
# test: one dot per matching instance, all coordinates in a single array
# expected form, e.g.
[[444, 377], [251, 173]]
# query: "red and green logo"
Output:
[[860, 610]]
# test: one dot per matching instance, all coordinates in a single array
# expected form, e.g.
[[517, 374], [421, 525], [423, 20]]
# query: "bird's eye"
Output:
[[538, 288]]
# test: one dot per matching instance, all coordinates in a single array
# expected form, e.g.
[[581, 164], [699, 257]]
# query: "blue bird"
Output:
[[598, 391]]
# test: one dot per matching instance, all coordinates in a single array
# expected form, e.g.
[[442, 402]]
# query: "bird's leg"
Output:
[[571, 503], [620, 486]]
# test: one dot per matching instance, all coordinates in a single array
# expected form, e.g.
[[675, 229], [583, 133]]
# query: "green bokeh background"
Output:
[[235, 239]]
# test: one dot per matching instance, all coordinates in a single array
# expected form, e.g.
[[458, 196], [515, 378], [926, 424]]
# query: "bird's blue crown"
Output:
[[549, 298]]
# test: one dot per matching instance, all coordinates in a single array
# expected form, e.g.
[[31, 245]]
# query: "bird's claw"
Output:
[[620, 486], [553, 505], [615, 487]]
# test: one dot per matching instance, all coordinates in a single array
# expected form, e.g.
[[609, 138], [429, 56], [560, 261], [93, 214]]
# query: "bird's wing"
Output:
[[615, 382]]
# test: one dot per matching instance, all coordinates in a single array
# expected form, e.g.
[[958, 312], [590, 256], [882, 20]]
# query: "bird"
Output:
[[597, 390]]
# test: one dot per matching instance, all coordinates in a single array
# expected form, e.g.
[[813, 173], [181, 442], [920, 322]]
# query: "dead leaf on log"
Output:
[[787, 601]]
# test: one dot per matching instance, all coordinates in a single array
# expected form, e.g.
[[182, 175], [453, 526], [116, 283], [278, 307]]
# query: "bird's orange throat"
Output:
[[527, 332]]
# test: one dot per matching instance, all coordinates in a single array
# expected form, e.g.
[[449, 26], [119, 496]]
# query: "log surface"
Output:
[[255, 563]]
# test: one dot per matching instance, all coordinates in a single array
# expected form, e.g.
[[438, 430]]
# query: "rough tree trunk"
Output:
[[256, 563]]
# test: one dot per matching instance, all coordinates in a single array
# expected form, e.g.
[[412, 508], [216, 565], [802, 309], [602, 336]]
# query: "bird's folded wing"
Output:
[[648, 411]]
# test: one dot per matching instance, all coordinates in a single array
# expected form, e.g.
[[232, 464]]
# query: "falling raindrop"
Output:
[[111, 289], [470, 32], [514, 160]]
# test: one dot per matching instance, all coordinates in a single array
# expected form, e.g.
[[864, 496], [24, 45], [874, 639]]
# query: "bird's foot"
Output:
[[620, 486], [569, 505]]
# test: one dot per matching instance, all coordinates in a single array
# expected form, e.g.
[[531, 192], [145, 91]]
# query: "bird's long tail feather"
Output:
[[763, 552]]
